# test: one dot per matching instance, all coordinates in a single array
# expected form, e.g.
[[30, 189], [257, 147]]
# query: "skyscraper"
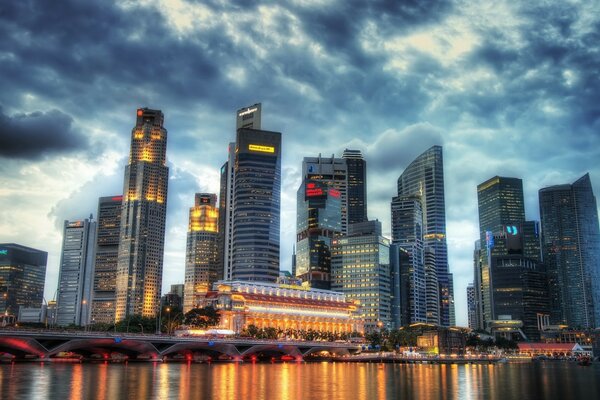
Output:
[[107, 254], [407, 233], [142, 239], [424, 177], [246, 117], [500, 204], [202, 267], [361, 270], [333, 172], [256, 205], [357, 186], [75, 277], [318, 222], [571, 251], [22, 277]]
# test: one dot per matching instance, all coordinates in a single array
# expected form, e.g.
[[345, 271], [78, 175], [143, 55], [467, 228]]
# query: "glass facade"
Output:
[[318, 222], [571, 251], [22, 276], [424, 177], [107, 254], [407, 233], [202, 267], [256, 205], [142, 238], [357, 186]]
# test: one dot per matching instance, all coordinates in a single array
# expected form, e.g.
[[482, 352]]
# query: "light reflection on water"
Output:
[[291, 381]]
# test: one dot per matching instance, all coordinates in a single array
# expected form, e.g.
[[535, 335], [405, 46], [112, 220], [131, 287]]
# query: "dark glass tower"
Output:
[[571, 250], [500, 204], [202, 266], [107, 253], [256, 205], [357, 186], [318, 222], [142, 241], [424, 177], [22, 276]]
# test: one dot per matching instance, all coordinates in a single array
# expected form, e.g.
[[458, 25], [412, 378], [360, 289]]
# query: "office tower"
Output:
[[334, 173], [76, 274], [357, 186], [424, 177], [360, 267], [178, 289], [256, 205], [318, 222], [142, 239], [22, 277], [246, 117], [571, 250], [471, 306], [477, 282], [407, 233], [500, 204], [202, 267], [396, 289], [107, 254]]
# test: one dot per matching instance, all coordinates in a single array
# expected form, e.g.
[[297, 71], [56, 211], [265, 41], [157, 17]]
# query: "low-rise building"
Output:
[[283, 306]]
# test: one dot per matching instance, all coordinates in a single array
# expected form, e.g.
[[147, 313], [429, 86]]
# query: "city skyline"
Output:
[[505, 94]]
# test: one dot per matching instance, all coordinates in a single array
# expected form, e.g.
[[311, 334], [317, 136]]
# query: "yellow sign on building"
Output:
[[261, 148]]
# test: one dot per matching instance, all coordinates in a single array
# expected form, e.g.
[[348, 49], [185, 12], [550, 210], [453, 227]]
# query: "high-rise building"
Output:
[[246, 117], [361, 270], [500, 203], [571, 252], [357, 186], [407, 233], [424, 177], [22, 277], [471, 306], [333, 172], [202, 267], [142, 239], [318, 222], [76, 274], [107, 254], [256, 205]]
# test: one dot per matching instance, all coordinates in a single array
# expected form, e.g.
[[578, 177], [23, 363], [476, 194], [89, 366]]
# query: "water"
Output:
[[323, 381]]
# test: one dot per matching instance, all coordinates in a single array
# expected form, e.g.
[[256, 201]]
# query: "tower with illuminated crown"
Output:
[[202, 266], [142, 237]]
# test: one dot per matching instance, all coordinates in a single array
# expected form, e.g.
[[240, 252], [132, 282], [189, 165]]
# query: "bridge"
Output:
[[48, 345]]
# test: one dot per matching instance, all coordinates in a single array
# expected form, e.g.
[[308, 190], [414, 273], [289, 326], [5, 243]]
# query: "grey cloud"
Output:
[[34, 135]]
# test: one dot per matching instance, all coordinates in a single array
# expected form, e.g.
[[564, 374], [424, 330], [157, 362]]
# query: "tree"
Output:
[[136, 324], [202, 317]]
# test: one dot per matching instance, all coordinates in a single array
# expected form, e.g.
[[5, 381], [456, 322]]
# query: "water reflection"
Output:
[[293, 381]]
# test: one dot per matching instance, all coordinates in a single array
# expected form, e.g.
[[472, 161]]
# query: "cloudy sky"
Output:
[[507, 89]]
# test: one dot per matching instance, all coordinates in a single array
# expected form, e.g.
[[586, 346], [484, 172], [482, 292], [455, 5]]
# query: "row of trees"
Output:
[[296, 334]]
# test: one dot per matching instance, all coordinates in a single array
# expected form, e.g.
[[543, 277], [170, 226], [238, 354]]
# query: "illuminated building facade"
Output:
[[407, 233], [500, 204], [357, 185], [76, 273], [424, 177], [360, 267], [22, 277], [318, 222], [141, 244], [107, 254], [283, 306], [471, 306], [332, 172], [256, 206], [202, 266], [571, 249]]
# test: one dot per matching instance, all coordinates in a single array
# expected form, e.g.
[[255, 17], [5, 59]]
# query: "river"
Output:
[[289, 381]]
